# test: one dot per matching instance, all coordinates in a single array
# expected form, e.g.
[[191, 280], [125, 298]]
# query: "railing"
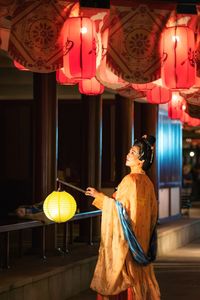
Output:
[[19, 225]]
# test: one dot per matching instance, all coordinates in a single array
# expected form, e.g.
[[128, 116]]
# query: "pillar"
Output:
[[124, 134], [45, 136], [45, 145], [91, 154]]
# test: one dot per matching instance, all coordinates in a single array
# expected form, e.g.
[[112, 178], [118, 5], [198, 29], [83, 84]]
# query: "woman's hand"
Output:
[[92, 192]]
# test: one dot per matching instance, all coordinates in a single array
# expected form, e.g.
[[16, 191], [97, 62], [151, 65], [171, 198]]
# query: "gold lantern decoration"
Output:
[[59, 206]]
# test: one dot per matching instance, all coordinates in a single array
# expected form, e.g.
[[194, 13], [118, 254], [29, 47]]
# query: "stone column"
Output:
[[45, 135], [45, 145]]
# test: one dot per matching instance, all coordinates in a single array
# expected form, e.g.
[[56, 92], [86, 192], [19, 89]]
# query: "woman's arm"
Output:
[[99, 197]]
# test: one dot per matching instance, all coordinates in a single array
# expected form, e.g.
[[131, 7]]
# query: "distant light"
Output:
[[192, 154], [188, 140]]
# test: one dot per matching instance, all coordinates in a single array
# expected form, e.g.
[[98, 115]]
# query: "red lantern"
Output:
[[178, 71], [176, 107], [193, 121], [19, 66], [159, 95], [90, 87], [79, 46], [62, 79], [184, 117]]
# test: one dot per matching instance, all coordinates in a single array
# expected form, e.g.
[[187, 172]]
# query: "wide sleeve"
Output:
[[98, 201], [126, 193], [154, 209]]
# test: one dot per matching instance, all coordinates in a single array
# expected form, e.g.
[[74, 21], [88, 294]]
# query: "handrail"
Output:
[[85, 215], [28, 224]]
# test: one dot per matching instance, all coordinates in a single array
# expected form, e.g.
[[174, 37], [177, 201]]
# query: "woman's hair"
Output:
[[146, 150]]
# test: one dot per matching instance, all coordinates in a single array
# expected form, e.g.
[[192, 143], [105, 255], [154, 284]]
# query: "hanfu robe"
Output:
[[117, 276]]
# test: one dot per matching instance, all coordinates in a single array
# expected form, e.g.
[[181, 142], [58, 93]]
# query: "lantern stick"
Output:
[[71, 185]]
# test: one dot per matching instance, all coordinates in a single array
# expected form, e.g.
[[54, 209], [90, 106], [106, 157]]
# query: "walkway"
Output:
[[178, 272]]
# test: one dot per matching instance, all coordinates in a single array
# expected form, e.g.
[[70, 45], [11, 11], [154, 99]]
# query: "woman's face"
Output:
[[133, 156]]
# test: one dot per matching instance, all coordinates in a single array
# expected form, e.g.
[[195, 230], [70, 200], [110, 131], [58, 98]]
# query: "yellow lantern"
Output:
[[59, 206]]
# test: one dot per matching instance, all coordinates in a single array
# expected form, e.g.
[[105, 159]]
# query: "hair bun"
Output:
[[150, 139]]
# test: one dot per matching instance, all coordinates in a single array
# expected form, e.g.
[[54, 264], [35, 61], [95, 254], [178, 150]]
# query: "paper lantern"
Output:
[[178, 70], [90, 87], [193, 121], [59, 206], [19, 66], [159, 95], [79, 46], [184, 117], [131, 93], [176, 106], [64, 80]]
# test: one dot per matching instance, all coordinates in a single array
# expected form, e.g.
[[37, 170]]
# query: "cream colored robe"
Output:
[[116, 270]]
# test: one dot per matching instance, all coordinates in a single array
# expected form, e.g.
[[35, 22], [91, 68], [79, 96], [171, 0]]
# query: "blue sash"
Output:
[[137, 252]]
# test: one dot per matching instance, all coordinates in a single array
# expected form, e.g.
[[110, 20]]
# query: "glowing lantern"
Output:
[[62, 79], [176, 106], [158, 95], [59, 206], [178, 71], [19, 66], [79, 46], [184, 117], [193, 121], [197, 83], [90, 87]]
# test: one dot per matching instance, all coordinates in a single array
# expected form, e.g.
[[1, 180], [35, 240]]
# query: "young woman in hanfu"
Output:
[[128, 232]]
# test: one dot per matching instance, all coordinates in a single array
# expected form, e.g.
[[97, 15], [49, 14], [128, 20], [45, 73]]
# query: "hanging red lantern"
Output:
[[64, 80], [193, 121], [178, 44], [19, 66], [184, 117], [197, 83], [158, 95], [176, 106], [79, 46], [90, 87]]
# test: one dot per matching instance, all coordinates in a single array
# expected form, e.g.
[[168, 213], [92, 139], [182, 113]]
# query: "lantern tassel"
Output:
[[71, 185]]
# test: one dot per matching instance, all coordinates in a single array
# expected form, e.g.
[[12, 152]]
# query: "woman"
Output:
[[124, 270]]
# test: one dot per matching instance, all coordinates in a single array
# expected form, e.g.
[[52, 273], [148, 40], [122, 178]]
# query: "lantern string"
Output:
[[70, 185]]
